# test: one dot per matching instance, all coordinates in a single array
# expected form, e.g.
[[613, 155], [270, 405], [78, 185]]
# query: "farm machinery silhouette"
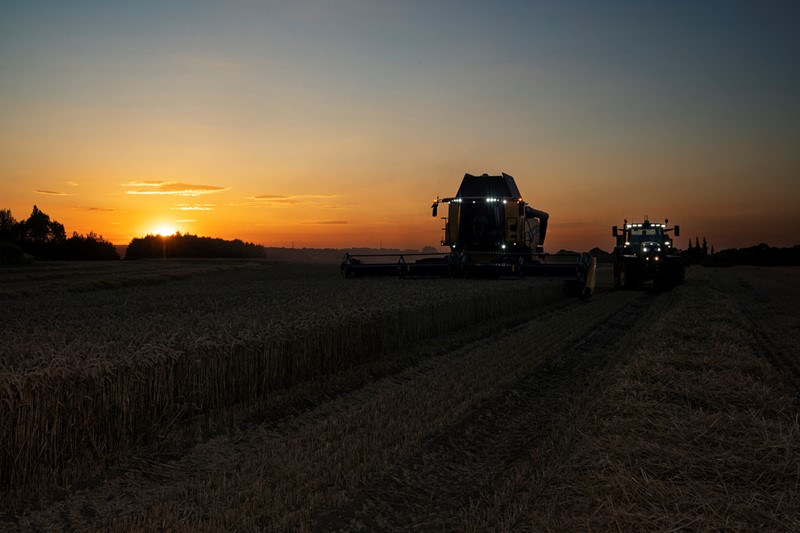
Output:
[[491, 232], [645, 252]]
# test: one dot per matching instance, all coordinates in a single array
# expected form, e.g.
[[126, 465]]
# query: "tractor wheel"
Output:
[[628, 276], [675, 274], [619, 277]]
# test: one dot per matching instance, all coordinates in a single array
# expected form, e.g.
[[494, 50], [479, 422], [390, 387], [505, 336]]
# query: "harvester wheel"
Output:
[[674, 273]]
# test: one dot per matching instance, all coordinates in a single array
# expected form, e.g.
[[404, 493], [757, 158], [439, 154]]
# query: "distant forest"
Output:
[[186, 245], [759, 255], [39, 237]]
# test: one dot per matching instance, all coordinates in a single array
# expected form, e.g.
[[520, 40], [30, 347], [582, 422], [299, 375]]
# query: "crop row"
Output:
[[84, 377]]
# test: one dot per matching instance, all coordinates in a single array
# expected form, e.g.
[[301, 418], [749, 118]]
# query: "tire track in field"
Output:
[[765, 312], [435, 488]]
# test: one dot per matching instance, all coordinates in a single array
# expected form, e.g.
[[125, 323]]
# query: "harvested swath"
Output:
[[85, 377], [697, 432]]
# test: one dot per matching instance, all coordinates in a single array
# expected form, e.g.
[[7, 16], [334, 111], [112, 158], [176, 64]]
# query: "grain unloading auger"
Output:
[[491, 232]]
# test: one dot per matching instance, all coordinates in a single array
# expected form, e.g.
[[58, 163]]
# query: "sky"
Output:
[[336, 123]]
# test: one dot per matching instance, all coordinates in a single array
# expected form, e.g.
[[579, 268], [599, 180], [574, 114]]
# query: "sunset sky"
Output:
[[336, 123]]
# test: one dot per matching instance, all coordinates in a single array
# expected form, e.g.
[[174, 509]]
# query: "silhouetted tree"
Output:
[[41, 237], [9, 227], [601, 255], [92, 247]]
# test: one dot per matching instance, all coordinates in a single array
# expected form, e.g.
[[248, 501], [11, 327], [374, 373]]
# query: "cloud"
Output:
[[51, 193], [96, 208], [187, 220], [172, 187], [279, 200], [315, 222], [72, 183], [193, 207]]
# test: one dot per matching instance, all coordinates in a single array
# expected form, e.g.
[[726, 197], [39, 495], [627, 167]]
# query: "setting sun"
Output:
[[164, 230]]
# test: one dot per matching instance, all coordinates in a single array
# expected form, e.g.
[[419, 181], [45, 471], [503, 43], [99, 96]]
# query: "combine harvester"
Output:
[[491, 232]]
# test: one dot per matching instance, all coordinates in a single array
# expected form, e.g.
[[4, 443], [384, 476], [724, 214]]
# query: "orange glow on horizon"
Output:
[[164, 230]]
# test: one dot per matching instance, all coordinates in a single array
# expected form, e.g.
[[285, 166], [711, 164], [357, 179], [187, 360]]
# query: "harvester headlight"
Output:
[[656, 258], [644, 249], [503, 246], [667, 243], [627, 243]]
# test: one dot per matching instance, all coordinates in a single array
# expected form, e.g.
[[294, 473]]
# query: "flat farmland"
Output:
[[247, 396]]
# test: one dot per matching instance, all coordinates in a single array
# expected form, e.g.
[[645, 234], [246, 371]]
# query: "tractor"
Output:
[[645, 251]]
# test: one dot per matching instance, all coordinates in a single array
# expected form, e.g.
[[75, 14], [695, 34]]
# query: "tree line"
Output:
[[759, 255], [40, 237], [187, 245]]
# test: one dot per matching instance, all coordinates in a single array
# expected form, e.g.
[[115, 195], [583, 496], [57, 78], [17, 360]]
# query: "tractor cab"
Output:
[[635, 234]]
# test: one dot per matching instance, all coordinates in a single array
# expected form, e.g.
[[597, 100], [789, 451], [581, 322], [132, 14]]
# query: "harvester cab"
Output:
[[646, 251], [489, 231], [488, 217]]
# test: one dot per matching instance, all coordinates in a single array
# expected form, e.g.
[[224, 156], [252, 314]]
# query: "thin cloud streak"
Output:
[[51, 193], [280, 200], [172, 188], [195, 207]]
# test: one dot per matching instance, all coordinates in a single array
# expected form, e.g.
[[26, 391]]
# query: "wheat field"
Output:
[[96, 359]]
